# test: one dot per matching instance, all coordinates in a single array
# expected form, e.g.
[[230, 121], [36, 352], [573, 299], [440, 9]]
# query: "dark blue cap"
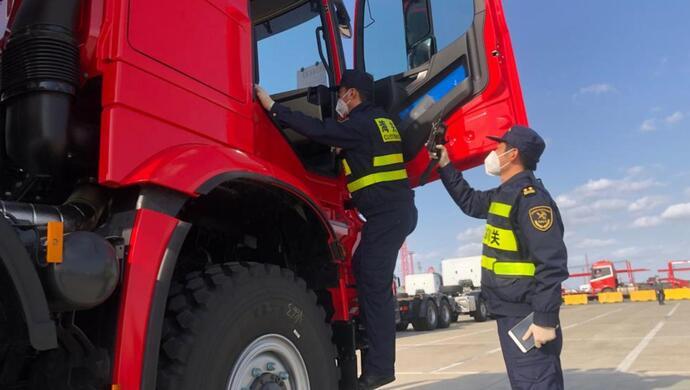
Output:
[[361, 81], [527, 141]]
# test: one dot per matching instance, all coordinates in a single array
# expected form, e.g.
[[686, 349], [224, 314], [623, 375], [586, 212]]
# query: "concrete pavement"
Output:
[[628, 346]]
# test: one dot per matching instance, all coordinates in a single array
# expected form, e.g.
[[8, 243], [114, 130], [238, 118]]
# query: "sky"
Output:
[[607, 84]]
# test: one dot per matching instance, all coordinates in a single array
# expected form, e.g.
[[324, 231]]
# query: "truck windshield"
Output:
[[600, 272], [286, 46]]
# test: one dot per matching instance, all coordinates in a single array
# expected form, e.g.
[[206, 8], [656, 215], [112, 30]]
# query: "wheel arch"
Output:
[[181, 233]]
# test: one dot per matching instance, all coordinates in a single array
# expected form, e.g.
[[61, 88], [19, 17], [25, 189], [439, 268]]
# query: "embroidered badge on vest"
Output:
[[541, 217], [388, 131]]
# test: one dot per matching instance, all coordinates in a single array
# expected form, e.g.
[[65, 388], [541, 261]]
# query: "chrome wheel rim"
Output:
[[269, 362]]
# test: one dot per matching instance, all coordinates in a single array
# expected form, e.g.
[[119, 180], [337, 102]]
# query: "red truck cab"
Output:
[[205, 246]]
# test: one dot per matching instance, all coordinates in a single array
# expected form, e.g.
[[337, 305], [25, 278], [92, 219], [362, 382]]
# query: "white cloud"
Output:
[[677, 211], [636, 170], [645, 222], [471, 249], [597, 89], [648, 125], [588, 243], [609, 228], [472, 234], [566, 202], [625, 252], [433, 255], [609, 204], [674, 118], [645, 203], [597, 187]]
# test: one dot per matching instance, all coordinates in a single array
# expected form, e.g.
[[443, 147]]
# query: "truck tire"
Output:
[[482, 312], [402, 326], [428, 322], [237, 326], [455, 317], [444, 315]]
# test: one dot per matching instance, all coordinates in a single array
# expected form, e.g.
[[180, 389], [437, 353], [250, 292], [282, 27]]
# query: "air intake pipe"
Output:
[[81, 211], [40, 76]]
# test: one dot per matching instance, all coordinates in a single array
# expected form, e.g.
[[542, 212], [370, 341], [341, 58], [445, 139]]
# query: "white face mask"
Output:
[[492, 163], [341, 107]]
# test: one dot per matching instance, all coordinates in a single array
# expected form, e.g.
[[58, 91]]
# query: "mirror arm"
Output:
[[326, 64]]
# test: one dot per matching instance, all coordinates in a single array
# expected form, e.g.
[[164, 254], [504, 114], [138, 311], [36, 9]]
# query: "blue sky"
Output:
[[607, 83]]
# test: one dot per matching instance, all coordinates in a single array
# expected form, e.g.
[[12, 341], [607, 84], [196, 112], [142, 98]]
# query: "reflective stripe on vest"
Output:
[[508, 268], [497, 238], [374, 178], [346, 168], [389, 159], [500, 209]]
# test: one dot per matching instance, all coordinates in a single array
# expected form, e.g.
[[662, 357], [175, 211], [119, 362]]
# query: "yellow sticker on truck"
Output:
[[389, 133]]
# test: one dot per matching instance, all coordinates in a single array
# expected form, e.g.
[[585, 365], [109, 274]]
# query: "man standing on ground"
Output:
[[377, 180], [524, 258]]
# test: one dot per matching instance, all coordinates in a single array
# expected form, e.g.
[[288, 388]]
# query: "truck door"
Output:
[[447, 62]]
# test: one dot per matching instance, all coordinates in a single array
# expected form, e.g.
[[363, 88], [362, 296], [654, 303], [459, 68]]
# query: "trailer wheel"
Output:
[[482, 313], [247, 326], [444, 315], [428, 322], [402, 326]]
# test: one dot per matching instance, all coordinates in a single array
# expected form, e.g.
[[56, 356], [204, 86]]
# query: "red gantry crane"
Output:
[[671, 270]]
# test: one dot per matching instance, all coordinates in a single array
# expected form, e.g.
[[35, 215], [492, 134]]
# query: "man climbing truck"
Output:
[[160, 230]]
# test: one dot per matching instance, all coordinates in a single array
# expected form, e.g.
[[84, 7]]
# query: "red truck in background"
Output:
[[604, 276], [159, 230]]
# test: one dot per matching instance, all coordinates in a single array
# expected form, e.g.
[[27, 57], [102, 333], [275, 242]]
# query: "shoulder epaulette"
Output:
[[528, 191]]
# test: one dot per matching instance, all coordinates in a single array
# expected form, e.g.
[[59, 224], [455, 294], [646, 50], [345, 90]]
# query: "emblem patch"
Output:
[[389, 133], [541, 217]]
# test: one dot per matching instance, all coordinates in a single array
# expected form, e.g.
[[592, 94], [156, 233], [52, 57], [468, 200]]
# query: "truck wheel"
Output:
[[482, 313], [444, 315], [455, 317], [402, 326], [245, 326], [430, 321]]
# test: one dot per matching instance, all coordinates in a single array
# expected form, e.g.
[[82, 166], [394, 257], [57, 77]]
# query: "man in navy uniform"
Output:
[[524, 258], [377, 179]]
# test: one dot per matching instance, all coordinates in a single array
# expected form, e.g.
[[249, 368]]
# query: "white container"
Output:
[[463, 268], [429, 283]]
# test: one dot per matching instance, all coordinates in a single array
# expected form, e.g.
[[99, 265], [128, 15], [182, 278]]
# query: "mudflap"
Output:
[[345, 339]]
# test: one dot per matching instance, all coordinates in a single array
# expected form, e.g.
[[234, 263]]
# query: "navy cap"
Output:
[[527, 141], [362, 81]]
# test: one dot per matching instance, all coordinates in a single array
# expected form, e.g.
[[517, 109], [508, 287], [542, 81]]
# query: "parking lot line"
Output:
[[591, 319], [473, 358], [670, 313], [624, 366]]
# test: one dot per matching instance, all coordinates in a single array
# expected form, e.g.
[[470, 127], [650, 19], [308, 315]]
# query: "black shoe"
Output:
[[370, 382]]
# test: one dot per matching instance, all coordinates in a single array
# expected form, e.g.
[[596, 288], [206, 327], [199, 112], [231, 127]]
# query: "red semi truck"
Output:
[[159, 230]]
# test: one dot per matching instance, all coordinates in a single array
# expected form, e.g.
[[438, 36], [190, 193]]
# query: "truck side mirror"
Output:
[[343, 18], [421, 52]]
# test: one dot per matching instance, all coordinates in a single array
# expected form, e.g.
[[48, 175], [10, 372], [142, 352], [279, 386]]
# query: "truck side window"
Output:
[[392, 32], [288, 54], [291, 53]]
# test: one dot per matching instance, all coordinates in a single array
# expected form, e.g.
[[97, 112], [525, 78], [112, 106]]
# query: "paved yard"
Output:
[[615, 346]]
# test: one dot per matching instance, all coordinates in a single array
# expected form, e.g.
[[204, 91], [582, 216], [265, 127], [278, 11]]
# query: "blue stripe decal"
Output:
[[440, 90]]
